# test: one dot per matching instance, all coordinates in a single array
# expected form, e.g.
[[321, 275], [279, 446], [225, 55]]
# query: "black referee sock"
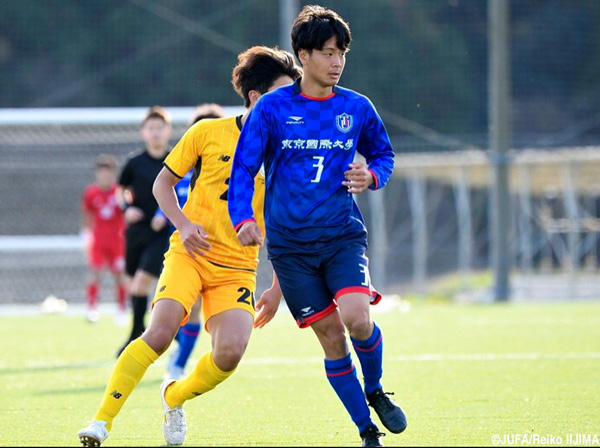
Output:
[[139, 305]]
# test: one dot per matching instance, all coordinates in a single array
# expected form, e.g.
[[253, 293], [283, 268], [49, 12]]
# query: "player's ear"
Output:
[[303, 56], [253, 96]]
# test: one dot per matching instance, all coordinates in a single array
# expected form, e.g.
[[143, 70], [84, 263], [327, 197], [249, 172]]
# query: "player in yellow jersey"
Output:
[[204, 258]]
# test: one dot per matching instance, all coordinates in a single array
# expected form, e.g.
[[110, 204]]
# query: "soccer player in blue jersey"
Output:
[[306, 135]]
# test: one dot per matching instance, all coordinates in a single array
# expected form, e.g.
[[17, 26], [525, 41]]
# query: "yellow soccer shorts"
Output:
[[222, 288]]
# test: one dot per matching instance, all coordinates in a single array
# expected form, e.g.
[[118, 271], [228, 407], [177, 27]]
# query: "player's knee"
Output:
[[158, 338], [334, 342], [359, 324], [229, 354]]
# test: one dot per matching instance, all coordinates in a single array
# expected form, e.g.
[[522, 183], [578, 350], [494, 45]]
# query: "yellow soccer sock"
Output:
[[128, 372], [206, 376]]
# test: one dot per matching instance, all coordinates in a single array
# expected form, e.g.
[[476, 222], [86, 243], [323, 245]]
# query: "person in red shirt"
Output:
[[104, 228]]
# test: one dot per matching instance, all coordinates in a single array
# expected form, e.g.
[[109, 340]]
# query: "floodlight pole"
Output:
[[288, 10], [499, 141]]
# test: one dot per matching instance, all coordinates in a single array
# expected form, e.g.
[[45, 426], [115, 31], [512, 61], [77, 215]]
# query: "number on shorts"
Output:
[[246, 294], [365, 270]]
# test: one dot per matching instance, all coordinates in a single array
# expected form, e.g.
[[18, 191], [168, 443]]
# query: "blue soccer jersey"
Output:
[[306, 145]]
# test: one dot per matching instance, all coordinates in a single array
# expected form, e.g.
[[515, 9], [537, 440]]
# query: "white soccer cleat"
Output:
[[174, 426], [94, 434]]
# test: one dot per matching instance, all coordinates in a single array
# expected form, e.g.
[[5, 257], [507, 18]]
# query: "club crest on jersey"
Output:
[[344, 122]]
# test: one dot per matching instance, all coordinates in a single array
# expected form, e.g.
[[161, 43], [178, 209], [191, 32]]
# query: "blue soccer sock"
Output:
[[370, 354], [341, 374], [188, 334]]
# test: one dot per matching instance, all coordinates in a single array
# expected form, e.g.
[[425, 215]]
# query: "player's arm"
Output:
[[268, 303], [87, 221], [375, 146], [87, 217], [246, 164], [159, 220], [123, 195], [180, 160], [193, 236]]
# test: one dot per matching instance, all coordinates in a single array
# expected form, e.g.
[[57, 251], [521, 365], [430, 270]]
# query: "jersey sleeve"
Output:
[[186, 153], [126, 177], [247, 161], [375, 146], [86, 201]]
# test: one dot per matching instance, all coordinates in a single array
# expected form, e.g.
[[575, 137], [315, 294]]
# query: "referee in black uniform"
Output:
[[147, 235]]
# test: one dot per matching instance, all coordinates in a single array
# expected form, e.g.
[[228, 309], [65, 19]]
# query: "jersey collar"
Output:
[[297, 91], [238, 122]]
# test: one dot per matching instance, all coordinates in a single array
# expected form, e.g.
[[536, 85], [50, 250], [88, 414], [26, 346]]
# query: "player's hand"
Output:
[[250, 235], [133, 215], [158, 223], [267, 306], [193, 237], [358, 178]]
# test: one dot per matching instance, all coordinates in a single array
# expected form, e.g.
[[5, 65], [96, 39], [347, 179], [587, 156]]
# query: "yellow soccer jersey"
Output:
[[208, 147]]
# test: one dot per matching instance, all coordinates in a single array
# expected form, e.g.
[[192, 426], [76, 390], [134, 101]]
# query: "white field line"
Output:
[[432, 357], [428, 357]]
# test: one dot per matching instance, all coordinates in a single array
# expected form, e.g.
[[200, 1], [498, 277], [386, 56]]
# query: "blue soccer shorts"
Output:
[[312, 283]]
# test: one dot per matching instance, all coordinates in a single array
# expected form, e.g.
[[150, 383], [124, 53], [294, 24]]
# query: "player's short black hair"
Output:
[[259, 67], [315, 25], [207, 110]]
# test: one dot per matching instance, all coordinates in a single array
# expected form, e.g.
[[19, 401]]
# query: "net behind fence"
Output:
[[424, 64], [428, 228]]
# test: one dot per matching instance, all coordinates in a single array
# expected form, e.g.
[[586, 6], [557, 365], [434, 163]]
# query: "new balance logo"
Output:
[[295, 120], [116, 394], [225, 158]]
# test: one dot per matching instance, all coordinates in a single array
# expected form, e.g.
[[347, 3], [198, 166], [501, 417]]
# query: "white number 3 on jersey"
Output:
[[319, 167]]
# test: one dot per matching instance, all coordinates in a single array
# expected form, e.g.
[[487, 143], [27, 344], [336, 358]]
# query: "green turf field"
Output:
[[462, 374]]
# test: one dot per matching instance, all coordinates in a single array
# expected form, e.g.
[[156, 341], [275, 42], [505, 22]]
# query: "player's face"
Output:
[[156, 133], [105, 177], [324, 66]]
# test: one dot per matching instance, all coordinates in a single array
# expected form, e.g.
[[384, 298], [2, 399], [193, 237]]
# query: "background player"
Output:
[[306, 134], [204, 258], [104, 229], [147, 235], [188, 334]]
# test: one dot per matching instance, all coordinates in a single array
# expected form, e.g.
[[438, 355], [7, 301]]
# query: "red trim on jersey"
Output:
[[316, 317], [376, 185], [345, 372], [241, 223], [314, 98], [360, 349]]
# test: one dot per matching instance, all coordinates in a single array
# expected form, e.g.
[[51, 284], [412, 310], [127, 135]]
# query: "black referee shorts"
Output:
[[145, 249]]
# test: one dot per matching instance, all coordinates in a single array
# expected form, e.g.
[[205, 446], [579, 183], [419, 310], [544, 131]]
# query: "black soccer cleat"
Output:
[[390, 414], [371, 436]]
